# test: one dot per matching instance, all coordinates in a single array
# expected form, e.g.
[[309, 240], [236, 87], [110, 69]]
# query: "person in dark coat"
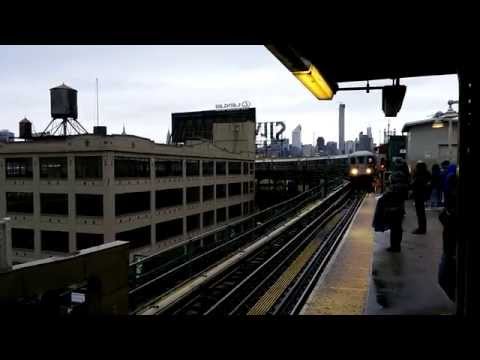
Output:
[[391, 206], [449, 219], [420, 187], [436, 186], [443, 179]]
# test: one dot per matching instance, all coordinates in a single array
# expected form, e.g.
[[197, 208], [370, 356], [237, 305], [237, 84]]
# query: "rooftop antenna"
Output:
[[97, 100]]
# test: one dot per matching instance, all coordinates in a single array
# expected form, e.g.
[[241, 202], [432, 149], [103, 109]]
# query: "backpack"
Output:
[[387, 211]]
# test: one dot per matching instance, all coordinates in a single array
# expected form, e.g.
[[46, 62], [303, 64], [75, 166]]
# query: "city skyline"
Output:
[[141, 86]]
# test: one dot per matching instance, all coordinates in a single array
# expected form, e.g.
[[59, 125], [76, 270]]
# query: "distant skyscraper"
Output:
[[320, 144], [332, 148], [364, 142], [297, 137], [349, 146], [369, 132], [341, 128]]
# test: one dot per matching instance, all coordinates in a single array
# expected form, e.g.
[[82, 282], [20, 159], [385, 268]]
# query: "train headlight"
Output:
[[354, 171], [369, 171]]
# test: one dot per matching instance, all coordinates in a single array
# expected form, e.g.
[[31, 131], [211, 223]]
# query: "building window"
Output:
[[252, 186], [22, 238], [168, 168], [246, 209], [234, 211], [208, 218], [221, 191], [193, 222], [137, 238], [132, 167], [193, 168], [54, 241], [208, 191], [86, 240], [89, 205], [19, 168], [221, 215], [234, 189], [53, 168], [221, 168], [20, 202], [130, 203], [234, 168], [207, 168], [193, 194], [88, 167], [252, 167], [54, 204], [245, 168], [168, 198], [245, 188], [169, 229]]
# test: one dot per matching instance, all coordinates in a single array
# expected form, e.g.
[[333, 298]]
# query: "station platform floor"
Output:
[[364, 279]]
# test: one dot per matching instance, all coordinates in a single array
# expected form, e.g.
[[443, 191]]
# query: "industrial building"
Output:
[[433, 140], [70, 192], [6, 136]]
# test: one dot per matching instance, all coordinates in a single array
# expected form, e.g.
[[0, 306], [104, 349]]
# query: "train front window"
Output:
[[353, 161], [361, 160]]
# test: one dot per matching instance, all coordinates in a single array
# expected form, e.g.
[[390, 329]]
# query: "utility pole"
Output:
[[97, 101], [450, 130]]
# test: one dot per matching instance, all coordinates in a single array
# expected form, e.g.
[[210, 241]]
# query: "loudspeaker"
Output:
[[392, 99]]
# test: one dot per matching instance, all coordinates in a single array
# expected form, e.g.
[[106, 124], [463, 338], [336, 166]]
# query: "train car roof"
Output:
[[362, 153], [311, 158]]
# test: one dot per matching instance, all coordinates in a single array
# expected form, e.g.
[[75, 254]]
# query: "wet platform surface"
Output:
[[406, 282], [365, 279]]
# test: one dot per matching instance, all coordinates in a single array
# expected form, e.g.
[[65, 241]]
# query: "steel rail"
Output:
[[270, 261], [296, 296], [172, 279]]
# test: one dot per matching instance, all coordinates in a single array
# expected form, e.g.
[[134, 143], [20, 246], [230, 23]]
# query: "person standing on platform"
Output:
[[391, 206], [449, 218], [421, 179], [436, 185], [443, 179]]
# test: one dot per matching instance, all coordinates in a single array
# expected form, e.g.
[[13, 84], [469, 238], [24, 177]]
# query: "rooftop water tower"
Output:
[[64, 111], [25, 129]]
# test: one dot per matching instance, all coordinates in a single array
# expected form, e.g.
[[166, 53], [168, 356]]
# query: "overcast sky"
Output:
[[140, 86]]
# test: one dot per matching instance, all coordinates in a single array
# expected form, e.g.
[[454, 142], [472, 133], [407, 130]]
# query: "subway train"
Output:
[[362, 169]]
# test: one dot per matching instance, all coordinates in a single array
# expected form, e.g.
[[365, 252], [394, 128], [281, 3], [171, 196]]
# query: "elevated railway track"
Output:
[[269, 276]]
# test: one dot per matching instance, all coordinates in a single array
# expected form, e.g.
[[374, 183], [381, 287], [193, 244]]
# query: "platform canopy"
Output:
[[367, 60]]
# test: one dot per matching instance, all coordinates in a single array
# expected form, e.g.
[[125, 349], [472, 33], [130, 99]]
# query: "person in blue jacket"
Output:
[[443, 179], [449, 219]]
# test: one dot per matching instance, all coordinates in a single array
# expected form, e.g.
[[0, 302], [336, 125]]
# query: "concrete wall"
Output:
[[104, 268], [430, 145]]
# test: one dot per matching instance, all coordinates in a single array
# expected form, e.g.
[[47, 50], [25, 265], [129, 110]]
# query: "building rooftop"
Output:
[[444, 117]]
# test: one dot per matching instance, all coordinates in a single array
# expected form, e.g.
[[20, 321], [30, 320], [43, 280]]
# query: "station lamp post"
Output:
[[438, 123], [450, 114]]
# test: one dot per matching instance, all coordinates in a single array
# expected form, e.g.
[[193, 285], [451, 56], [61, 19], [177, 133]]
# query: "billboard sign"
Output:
[[234, 106], [270, 130]]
